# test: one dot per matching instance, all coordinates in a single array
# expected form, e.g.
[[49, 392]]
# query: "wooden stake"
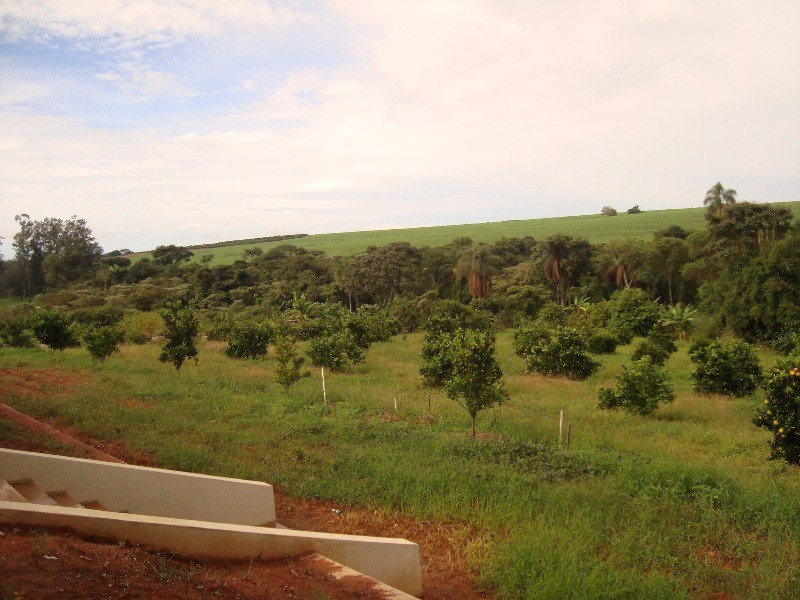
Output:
[[324, 393], [395, 404], [560, 426]]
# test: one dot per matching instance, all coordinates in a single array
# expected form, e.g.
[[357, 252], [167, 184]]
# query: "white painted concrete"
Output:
[[395, 562], [143, 490]]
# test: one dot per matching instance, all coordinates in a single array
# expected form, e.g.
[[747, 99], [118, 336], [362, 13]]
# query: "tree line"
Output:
[[742, 271]]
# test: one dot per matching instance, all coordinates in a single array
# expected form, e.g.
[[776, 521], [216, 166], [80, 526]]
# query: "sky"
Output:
[[192, 121]]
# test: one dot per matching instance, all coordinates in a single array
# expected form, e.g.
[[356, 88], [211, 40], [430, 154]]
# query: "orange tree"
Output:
[[780, 412], [475, 377]]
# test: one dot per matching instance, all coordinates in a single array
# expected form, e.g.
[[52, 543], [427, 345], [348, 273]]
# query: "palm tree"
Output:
[[717, 196], [478, 265], [679, 318], [563, 258], [299, 309]]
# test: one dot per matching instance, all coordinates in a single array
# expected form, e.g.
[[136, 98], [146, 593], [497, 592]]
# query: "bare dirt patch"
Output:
[[35, 563], [29, 382]]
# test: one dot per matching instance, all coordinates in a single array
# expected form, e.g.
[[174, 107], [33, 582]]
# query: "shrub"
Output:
[[180, 334], [551, 314], [448, 316], [289, 370], [632, 312], [248, 340], [335, 350], [15, 332], [53, 329], [102, 342], [659, 345], [786, 343], [139, 327], [780, 412], [608, 211], [475, 378], [603, 342], [634, 210], [436, 361], [639, 389], [370, 326], [562, 351], [728, 368], [406, 312]]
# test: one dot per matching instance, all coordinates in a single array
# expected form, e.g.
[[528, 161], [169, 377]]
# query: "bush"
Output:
[[370, 326], [288, 371], [140, 327], [248, 340], [180, 334], [659, 345], [448, 316], [102, 342], [551, 314], [475, 379], [608, 211], [632, 313], [780, 412], [335, 350], [436, 362], [639, 389], [728, 368], [603, 342], [15, 332], [53, 329], [561, 352]]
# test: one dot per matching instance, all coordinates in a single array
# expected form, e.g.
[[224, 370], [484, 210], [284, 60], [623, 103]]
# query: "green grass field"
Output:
[[595, 228], [681, 504]]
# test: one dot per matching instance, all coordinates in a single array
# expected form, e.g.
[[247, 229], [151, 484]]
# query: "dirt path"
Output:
[[87, 569]]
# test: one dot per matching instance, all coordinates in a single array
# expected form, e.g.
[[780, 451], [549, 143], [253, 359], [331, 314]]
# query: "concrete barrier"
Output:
[[143, 490], [395, 562]]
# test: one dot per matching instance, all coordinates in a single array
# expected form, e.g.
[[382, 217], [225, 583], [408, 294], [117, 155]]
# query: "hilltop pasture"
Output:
[[595, 228]]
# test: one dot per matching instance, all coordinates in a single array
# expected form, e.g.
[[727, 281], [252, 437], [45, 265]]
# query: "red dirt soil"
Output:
[[113, 570]]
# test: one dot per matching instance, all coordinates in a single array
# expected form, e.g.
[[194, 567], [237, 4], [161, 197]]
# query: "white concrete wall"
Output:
[[145, 491], [393, 561]]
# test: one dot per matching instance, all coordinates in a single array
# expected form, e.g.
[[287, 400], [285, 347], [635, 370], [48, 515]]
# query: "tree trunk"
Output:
[[473, 425]]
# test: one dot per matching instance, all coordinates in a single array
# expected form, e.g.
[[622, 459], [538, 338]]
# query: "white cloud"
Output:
[[134, 21], [453, 112]]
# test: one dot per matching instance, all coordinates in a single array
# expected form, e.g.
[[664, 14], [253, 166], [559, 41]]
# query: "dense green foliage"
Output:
[[602, 341], [475, 377], [15, 332], [639, 389], [289, 362], [658, 345], [335, 350], [181, 330], [102, 342], [730, 368], [248, 340], [53, 328], [780, 413], [562, 351]]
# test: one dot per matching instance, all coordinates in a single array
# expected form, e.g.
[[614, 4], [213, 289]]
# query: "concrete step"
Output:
[[94, 505], [9, 494], [62, 498], [32, 492]]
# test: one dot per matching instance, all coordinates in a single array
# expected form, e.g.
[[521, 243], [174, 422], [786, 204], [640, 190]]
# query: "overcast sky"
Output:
[[204, 120]]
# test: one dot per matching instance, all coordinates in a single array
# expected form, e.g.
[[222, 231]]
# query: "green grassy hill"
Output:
[[595, 228]]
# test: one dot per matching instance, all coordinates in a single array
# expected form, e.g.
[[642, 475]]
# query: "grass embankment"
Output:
[[681, 504], [595, 228]]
